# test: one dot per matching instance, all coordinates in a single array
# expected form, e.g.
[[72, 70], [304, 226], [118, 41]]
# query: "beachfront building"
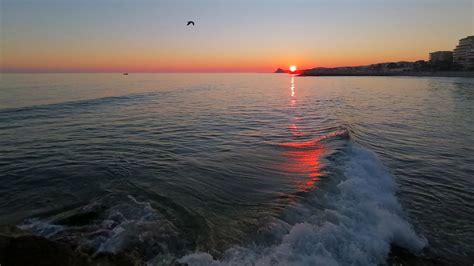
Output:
[[463, 54], [441, 57]]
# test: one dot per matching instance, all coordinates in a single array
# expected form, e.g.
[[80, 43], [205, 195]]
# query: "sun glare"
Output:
[[293, 68]]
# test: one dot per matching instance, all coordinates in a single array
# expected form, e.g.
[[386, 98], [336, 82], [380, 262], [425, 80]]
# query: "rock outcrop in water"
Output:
[[280, 70]]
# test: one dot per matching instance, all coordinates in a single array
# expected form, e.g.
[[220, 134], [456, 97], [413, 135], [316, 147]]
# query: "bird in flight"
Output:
[[190, 22]]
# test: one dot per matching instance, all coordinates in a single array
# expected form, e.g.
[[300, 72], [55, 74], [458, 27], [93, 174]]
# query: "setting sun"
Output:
[[293, 68]]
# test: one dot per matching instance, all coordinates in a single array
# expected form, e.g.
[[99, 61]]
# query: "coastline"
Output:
[[460, 74]]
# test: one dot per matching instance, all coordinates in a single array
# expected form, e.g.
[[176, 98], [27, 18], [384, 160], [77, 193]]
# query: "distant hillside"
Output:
[[372, 70]]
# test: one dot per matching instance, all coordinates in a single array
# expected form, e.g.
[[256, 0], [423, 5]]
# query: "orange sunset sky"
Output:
[[229, 36]]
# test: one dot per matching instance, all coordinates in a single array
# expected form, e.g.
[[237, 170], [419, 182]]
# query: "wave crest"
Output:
[[362, 219]]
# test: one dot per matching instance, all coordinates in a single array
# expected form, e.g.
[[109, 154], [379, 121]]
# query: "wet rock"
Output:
[[18, 247], [400, 256]]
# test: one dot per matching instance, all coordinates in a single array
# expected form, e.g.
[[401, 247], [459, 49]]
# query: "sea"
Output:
[[242, 169]]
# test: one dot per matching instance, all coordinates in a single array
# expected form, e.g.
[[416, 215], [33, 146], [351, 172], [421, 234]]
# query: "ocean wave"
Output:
[[354, 217], [77, 104], [357, 226], [342, 133]]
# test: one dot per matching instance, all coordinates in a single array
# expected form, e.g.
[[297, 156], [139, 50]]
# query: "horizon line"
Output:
[[197, 71], [134, 72]]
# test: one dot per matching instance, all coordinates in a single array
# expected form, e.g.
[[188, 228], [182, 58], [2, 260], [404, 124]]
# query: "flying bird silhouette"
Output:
[[190, 22]]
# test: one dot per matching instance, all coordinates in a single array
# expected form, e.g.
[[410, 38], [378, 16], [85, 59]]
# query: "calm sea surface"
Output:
[[241, 168]]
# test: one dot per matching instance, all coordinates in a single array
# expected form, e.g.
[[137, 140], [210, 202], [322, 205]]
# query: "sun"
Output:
[[293, 68]]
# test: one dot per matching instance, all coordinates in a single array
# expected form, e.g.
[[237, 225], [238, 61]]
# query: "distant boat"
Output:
[[125, 73]]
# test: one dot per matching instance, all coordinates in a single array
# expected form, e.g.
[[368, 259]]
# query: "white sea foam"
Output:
[[124, 225], [129, 223], [361, 220], [41, 227]]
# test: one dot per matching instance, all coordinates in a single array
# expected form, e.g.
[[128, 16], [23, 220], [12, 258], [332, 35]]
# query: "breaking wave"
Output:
[[353, 219], [359, 221]]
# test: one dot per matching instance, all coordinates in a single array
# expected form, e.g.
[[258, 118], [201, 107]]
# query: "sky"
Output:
[[229, 35]]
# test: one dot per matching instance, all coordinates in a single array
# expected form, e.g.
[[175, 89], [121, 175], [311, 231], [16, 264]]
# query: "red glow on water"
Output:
[[295, 131], [304, 160], [314, 176], [302, 144]]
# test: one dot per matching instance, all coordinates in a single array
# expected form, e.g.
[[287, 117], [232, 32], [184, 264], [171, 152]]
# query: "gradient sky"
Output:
[[229, 36]]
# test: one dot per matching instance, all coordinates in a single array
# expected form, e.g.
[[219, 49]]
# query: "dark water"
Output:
[[241, 168]]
